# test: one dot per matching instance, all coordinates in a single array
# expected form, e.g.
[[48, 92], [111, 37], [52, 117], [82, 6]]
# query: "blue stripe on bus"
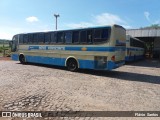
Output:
[[108, 49], [84, 64]]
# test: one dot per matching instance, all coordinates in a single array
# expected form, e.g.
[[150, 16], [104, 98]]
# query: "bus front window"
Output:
[[14, 44]]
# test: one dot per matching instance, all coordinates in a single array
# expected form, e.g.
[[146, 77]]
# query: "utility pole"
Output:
[[56, 16]]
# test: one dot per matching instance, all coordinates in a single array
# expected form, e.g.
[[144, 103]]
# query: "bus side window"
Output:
[[75, 37], [40, 38], [21, 39], [105, 34], [83, 37], [30, 38], [53, 37], [68, 37], [25, 39], [101, 35], [35, 38], [89, 36], [47, 38], [97, 35], [60, 37]]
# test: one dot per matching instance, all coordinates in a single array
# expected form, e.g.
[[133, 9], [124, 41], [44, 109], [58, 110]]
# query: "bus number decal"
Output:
[[42, 47], [55, 48], [45, 48]]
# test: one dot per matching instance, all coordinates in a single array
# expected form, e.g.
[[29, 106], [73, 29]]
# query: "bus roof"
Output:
[[107, 26]]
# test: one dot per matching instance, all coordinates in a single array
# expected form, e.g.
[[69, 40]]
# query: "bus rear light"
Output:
[[113, 58]]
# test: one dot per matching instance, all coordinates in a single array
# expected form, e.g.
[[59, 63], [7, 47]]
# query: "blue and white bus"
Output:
[[98, 48], [135, 49]]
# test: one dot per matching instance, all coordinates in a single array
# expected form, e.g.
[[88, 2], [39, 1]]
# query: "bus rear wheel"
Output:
[[72, 65], [22, 59]]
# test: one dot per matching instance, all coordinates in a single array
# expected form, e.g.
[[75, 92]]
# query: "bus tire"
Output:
[[72, 65], [22, 59]]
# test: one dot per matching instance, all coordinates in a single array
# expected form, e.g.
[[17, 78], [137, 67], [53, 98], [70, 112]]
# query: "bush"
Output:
[[1, 50]]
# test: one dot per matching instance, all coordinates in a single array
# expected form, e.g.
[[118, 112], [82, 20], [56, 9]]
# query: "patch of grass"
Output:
[[6, 48], [5, 45]]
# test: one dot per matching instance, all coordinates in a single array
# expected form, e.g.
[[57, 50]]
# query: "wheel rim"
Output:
[[23, 59], [72, 66]]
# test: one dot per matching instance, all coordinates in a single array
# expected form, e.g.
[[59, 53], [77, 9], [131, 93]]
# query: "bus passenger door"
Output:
[[13, 46]]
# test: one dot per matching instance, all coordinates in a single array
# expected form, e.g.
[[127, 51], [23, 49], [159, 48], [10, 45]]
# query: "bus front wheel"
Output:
[[22, 59], [72, 65]]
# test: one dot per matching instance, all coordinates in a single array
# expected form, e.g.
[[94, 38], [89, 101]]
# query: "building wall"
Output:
[[144, 32], [157, 43], [148, 35], [156, 49]]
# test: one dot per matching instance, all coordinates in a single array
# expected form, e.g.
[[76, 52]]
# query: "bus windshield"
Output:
[[14, 43]]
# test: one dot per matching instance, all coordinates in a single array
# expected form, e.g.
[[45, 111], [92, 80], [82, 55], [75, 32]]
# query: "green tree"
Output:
[[153, 26]]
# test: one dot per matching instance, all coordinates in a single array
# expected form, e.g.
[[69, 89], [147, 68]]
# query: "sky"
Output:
[[22, 16]]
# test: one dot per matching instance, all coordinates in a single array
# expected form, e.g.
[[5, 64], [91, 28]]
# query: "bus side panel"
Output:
[[86, 64], [46, 60], [133, 54], [133, 58], [15, 57], [83, 64], [89, 64]]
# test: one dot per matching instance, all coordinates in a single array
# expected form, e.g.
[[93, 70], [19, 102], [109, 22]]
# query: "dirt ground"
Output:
[[132, 87], [5, 58]]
